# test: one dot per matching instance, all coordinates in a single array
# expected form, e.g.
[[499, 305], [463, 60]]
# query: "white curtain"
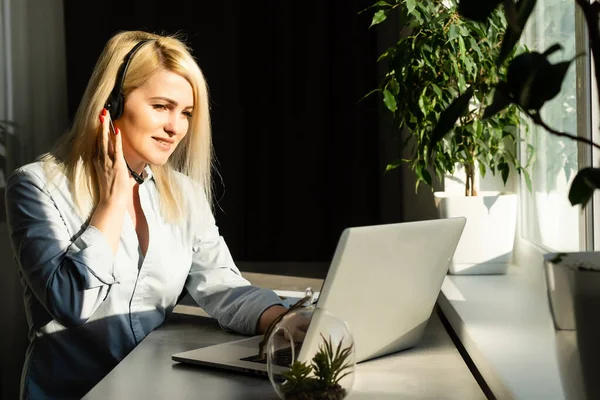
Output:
[[32, 94]]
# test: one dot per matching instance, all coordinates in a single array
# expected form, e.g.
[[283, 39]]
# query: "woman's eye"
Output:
[[160, 106], [188, 114]]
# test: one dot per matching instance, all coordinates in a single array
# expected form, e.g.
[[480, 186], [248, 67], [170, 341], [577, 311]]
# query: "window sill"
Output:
[[505, 325]]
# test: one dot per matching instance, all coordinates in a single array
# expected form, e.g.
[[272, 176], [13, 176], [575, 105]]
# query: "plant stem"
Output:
[[538, 120], [467, 181], [470, 189]]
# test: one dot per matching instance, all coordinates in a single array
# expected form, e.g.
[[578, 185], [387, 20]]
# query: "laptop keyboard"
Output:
[[281, 357]]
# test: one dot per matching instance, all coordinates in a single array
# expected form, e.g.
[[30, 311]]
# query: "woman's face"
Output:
[[155, 119]]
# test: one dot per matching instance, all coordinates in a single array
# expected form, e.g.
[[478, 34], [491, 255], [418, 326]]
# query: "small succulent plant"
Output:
[[319, 380]]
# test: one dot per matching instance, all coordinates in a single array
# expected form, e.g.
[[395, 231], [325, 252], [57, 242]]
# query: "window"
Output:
[[548, 219]]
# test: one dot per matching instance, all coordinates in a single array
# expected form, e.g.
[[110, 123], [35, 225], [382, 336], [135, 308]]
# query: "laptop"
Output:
[[383, 281]]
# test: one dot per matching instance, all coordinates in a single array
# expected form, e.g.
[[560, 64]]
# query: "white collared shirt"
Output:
[[87, 307]]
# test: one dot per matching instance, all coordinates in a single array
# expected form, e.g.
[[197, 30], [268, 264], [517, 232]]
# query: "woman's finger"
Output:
[[118, 141], [98, 149], [103, 145]]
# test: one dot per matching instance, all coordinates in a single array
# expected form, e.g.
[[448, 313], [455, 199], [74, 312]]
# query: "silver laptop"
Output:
[[383, 281]]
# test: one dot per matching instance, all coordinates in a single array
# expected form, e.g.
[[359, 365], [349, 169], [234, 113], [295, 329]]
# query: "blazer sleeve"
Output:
[[215, 282], [69, 274]]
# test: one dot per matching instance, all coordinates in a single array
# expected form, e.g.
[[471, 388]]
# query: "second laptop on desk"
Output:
[[383, 281]]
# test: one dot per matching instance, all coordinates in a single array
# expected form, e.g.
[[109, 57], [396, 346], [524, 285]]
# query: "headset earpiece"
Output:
[[114, 105], [115, 102]]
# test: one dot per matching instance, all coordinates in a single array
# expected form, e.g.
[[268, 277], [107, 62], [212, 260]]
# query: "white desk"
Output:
[[432, 370]]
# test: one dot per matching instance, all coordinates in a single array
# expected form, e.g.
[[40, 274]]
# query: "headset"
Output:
[[115, 102]]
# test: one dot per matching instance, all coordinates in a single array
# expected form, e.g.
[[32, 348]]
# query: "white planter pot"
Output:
[[574, 296], [487, 241], [566, 282]]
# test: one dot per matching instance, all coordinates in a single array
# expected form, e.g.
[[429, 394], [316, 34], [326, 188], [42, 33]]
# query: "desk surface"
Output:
[[432, 370]]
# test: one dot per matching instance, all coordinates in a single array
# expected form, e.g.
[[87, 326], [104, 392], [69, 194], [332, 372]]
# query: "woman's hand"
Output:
[[114, 187], [297, 324], [268, 316], [109, 163]]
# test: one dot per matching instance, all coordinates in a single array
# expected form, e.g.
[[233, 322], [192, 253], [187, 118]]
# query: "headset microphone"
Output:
[[136, 177]]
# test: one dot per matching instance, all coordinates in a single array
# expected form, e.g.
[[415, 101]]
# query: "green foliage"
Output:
[[298, 378], [439, 78], [583, 186], [319, 380], [531, 80], [331, 365]]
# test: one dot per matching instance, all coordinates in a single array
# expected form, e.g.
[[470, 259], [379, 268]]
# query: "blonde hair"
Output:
[[193, 156]]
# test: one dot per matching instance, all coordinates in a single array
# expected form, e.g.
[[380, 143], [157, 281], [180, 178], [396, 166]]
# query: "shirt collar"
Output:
[[148, 173]]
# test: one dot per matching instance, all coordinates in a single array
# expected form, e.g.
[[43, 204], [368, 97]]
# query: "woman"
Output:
[[112, 225]]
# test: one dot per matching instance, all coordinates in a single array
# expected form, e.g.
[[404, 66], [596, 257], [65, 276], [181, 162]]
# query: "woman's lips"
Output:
[[164, 144]]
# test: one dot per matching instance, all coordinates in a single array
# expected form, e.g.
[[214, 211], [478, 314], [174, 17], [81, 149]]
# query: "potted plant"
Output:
[[440, 56], [532, 80], [319, 379]]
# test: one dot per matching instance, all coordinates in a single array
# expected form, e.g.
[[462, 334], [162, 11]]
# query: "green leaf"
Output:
[[392, 166], [389, 100], [533, 81], [515, 28], [582, 189], [389, 53], [427, 177], [522, 74], [393, 86], [477, 10], [378, 18], [461, 46], [437, 90], [422, 100], [449, 117], [380, 3], [418, 17], [452, 32], [527, 178], [549, 82], [482, 169], [410, 6], [475, 46], [471, 69], [462, 84], [504, 168]]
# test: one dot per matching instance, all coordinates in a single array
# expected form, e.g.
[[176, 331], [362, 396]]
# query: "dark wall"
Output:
[[298, 152]]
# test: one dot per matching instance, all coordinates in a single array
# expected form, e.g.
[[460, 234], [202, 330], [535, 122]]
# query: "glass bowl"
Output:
[[310, 355]]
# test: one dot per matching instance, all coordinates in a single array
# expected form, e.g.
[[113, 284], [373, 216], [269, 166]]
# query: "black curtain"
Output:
[[298, 152]]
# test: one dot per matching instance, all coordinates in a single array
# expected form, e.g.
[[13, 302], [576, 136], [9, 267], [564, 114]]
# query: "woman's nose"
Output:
[[172, 124]]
